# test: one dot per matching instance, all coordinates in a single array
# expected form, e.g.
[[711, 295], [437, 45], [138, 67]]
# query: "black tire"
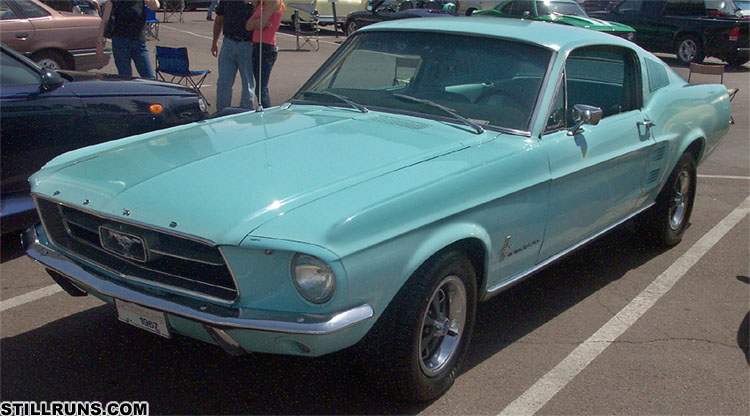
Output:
[[689, 49], [666, 222], [51, 60], [470, 11], [350, 27], [411, 349]]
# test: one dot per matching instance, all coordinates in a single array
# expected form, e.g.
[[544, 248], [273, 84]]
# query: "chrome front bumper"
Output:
[[215, 319]]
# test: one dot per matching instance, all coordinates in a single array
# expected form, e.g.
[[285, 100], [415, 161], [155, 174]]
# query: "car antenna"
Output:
[[259, 88]]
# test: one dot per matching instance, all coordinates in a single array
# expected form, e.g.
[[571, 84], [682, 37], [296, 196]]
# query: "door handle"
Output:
[[22, 36], [647, 123]]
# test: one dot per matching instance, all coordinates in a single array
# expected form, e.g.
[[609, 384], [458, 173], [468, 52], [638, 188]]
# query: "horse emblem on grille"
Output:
[[122, 244]]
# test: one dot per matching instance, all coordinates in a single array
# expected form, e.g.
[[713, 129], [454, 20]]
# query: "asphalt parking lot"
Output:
[[617, 328]]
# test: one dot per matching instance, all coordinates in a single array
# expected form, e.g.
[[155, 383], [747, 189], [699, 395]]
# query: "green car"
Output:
[[566, 12]]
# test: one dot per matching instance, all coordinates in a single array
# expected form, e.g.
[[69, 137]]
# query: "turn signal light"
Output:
[[156, 108]]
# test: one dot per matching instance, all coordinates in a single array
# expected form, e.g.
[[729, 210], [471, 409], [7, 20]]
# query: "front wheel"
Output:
[[667, 220], [420, 341]]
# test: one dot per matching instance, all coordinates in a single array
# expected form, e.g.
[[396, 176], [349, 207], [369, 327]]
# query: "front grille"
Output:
[[161, 258]]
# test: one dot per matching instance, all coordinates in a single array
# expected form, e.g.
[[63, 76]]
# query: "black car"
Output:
[[46, 113], [383, 10]]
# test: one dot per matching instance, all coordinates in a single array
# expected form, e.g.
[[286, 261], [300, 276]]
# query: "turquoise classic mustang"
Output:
[[426, 166]]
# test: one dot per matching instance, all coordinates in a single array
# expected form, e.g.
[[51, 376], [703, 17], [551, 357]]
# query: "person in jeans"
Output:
[[128, 36], [211, 8], [271, 11], [236, 52]]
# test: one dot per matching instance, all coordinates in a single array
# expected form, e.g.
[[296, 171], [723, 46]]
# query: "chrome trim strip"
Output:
[[176, 256], [249, 319], [505, 284]]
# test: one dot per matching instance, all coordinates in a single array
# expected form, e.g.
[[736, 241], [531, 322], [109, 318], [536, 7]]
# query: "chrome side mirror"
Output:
[[585, 114]]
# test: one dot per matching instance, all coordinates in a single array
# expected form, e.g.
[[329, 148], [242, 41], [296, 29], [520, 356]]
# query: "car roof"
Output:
[[550, 35]]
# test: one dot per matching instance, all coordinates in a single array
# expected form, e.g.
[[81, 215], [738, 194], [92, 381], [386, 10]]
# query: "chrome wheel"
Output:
[[680, 200], [443, 323], [688, 50]]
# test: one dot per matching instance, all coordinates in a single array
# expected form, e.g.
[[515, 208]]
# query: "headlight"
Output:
[[202, 105], [313, 278]]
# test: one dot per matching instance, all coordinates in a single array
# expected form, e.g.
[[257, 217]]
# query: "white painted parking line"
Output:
[[533, 399], [29, 297], [745, 178]]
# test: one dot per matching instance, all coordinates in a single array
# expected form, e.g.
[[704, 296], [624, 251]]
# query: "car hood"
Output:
[[98, 84], [222, 178]]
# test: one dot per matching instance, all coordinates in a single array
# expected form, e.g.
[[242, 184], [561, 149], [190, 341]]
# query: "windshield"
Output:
[[549, 7], [491, 82]]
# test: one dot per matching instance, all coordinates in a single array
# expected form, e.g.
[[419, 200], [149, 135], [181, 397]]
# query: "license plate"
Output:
[[144, 318]]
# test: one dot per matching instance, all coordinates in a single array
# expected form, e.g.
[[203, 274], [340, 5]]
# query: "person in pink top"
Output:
[[265, 53]]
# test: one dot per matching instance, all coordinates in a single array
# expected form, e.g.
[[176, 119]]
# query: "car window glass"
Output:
[[556, 119], [15, 73], [546, 7], [31, 10], [500, 89], [657, 75], [602, 77], [629, 6], [6, 13], [520, 7]]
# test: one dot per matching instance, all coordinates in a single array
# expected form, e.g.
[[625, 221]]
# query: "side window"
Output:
[[520, 7], [629, 6], [605, 77], [15, 73], [6, 13], [31, 10]]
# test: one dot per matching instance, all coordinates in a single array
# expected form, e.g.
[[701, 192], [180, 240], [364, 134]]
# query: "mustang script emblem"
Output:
[[123, 244]]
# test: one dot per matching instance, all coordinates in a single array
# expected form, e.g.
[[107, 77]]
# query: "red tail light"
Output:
[[734, 34]]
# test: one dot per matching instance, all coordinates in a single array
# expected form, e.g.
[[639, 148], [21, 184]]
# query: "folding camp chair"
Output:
[[152, 25], [175, 62], [308, 31], [711, 69], [171, 8]]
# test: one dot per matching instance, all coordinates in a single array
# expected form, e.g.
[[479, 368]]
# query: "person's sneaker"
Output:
[[209, 18]]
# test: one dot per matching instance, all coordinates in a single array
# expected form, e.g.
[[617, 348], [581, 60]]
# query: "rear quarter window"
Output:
[[657, 75]]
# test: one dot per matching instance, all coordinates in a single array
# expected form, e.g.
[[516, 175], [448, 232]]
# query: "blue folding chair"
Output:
[[152, 25], [174, 62]]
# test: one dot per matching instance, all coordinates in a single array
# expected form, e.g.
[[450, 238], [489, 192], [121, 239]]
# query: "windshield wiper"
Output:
[[450, 111], [339, 97]]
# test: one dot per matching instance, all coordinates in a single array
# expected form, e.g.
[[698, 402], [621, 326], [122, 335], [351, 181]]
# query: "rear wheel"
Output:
[[667, 220], [50, 60], [690, 49], [420, 341]]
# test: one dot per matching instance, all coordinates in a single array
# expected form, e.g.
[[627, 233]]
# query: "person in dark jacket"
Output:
[[236, 52], [128, 36]]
